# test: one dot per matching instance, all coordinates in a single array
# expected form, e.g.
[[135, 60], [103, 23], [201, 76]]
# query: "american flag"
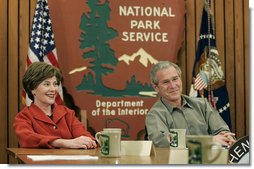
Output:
[[42, 44], [201, 81]]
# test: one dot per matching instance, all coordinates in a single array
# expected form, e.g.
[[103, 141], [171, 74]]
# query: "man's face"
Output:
[[169, 84]]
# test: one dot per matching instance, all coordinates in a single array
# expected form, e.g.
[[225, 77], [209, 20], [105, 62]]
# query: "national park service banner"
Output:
[[106, 50]]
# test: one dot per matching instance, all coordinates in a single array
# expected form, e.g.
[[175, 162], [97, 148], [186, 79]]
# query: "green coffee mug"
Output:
[[201, 149], [110, 142]]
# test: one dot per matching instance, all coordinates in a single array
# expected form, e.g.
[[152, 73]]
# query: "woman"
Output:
[[44, 124]]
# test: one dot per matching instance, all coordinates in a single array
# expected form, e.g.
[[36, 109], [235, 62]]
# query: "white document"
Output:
[[61, 157]]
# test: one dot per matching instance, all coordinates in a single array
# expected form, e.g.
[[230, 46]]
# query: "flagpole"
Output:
[[210, 92]]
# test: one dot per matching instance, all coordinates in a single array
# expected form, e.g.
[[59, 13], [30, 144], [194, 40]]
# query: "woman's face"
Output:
[[46, 92]]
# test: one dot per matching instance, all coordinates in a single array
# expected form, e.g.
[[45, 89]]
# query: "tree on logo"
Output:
[[94, 42]]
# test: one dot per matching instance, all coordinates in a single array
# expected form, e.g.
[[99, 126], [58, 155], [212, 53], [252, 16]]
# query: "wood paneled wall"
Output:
[[232, 35]]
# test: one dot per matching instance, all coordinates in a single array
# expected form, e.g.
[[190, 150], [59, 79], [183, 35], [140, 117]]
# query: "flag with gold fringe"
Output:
[[208, 76]]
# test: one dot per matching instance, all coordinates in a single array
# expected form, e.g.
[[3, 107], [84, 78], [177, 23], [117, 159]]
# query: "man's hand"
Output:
[[225, 138]]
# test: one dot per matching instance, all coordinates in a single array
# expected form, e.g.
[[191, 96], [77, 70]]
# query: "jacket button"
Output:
[[54, 127]]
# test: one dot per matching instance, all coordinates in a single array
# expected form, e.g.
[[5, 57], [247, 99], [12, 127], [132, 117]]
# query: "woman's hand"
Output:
[[79, 142]]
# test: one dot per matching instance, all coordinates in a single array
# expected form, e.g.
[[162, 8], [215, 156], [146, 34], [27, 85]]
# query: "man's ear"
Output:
[[155, 87]]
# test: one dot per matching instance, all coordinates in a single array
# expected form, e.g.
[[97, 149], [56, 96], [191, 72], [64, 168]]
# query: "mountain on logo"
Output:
[[131, 69], [144, 59]]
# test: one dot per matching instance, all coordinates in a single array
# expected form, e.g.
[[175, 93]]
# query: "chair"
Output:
[[83, 116]]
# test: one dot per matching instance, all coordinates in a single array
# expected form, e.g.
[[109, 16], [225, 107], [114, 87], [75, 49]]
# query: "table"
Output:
[[160, 156]]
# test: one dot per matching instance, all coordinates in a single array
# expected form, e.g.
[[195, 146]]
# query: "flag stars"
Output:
[[206, 36], [36, 46], [38, 33], [51, 42], [35, 20], [37, 39], [40, 19], [42, 39], [224, 108], [48, 28], [39, 26], [45, 42], [45, 13], [47, 35], [43, 48]]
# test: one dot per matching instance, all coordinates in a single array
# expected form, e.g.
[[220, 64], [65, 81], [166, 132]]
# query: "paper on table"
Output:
[[61, 157]]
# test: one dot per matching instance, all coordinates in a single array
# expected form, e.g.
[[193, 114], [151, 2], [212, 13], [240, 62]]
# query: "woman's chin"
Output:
[[51, 101]]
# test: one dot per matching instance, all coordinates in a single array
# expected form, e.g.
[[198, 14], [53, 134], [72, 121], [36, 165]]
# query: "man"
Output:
[[175, 110]]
